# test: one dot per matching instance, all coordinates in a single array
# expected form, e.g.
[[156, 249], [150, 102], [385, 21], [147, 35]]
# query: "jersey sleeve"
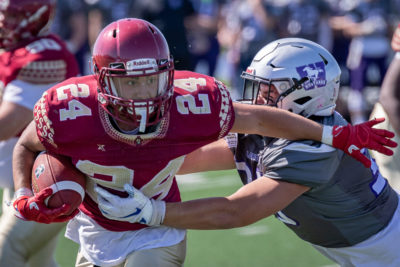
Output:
[[307, 163], [63, 115], [204, 103]]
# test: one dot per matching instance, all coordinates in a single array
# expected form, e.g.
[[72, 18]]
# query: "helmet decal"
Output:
[[293, 74], [316, 75]]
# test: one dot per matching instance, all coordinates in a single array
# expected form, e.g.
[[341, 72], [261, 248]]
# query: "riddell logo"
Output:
[[143, 63], [140, 63]]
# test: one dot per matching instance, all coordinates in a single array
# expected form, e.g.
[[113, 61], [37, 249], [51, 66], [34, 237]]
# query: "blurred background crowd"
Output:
[[220, 37]]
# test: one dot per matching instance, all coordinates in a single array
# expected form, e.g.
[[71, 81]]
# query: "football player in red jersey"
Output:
[[31, 61], [133, 122]]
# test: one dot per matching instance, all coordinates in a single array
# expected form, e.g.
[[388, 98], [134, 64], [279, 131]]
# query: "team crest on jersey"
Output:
[[316, 75]]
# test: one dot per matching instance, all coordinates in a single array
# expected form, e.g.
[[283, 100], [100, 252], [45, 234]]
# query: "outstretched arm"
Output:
[[274, 122], [211, 157], [254, 201]]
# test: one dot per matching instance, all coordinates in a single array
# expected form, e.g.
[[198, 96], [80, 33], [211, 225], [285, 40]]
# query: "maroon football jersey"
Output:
[[70, 121], [42, 60]]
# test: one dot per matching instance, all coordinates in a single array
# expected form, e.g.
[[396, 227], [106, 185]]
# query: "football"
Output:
[[58, 172]]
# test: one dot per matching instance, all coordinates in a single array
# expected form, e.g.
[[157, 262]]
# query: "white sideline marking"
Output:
[[195, 182], [253, 230]]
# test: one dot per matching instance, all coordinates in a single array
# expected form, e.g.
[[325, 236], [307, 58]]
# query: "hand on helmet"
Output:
[[352, 138], [32, 208], [136, 208]]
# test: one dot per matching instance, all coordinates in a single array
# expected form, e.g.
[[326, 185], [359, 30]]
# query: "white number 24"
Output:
[[185, 103], [75, 107]]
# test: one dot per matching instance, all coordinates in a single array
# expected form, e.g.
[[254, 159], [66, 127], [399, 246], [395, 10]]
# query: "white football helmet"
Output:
[[306, 76]]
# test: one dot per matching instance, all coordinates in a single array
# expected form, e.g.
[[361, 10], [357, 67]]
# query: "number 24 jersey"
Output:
[[70, 121]]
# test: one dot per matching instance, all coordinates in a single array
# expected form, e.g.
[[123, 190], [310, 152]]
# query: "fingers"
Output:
[[104, 204], [104, 193], [53, 213], [43, 194], [383, 132], [382, 138], [375, 121], [129, 189], [381, 148], [362, 158]]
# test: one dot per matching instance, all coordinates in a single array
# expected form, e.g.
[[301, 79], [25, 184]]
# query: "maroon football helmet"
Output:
[[23, 19], [133, 48]]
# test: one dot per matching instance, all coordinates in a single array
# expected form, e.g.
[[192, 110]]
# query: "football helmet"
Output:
[[133, 48], [304, 74], [23, 19]]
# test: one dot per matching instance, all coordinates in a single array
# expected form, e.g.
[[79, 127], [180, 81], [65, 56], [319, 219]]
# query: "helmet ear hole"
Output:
[[302, 100]]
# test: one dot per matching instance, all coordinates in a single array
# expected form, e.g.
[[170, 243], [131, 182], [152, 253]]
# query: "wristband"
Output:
[[23, 191], [158, 215], [327, 136]]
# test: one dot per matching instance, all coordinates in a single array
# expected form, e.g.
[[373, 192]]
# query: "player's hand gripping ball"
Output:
[[66, 181]]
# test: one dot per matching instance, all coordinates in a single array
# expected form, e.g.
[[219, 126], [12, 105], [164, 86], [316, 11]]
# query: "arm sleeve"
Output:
[[307, 163]]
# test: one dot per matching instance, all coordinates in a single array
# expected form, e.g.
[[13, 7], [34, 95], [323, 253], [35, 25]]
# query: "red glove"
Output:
[[33, 208], [352, 138]]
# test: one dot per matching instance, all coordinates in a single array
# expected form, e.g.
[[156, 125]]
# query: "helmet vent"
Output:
[[302, 100], [115, 33], [324, 59], [152, 30]]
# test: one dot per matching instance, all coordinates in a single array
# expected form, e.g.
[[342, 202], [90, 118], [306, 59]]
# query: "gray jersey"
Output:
[[347, 203]]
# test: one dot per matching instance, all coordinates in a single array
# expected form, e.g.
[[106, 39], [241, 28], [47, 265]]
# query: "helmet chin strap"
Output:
[[143, 118]]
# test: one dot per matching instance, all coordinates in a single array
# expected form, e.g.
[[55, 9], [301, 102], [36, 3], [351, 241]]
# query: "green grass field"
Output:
[[265, 243]]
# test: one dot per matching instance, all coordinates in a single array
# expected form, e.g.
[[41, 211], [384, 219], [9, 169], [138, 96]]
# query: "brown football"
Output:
[[58, 172]]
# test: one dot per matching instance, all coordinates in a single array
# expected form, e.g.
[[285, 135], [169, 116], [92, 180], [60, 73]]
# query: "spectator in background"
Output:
[[389, 108], [367, 27], [70, 23], [169, 16], [202, 30], [31, 61], [307, 19], [248, 25], [101, 12]]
